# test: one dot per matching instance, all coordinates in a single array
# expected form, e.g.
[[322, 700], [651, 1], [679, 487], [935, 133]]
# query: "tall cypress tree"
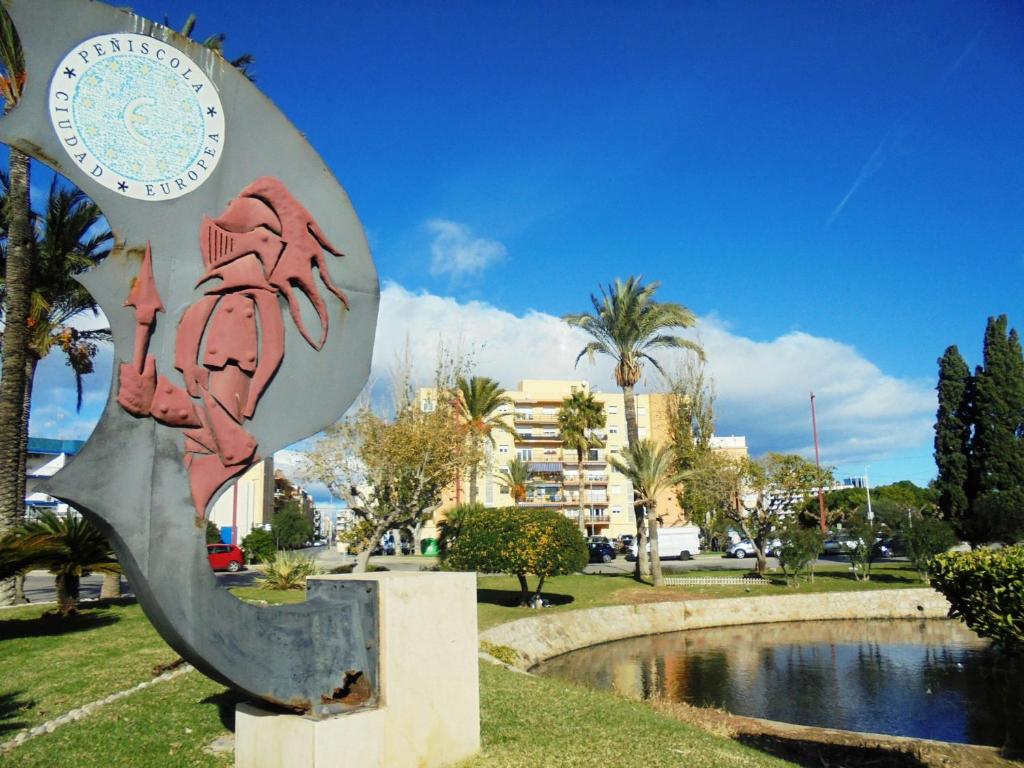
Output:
[[997, 456], [953, 440]]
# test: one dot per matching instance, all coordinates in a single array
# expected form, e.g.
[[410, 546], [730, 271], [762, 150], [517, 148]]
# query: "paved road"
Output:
[[39, 584]]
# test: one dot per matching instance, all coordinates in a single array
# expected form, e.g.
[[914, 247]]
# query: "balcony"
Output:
[[535, 437], [569, 457], [595, 479]]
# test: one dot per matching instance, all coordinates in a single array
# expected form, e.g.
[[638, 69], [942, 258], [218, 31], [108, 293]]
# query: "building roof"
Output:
[[52, 446]]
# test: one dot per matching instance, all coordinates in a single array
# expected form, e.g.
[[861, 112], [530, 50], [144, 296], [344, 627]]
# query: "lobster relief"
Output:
[[230, 342]]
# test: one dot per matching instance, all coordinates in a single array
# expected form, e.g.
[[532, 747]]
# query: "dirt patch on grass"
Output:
[[818, 747]]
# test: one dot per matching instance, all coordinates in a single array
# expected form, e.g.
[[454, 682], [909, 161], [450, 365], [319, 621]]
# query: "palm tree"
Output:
[[216, 43], [477, 401], [16, 300], [652, 470], [628, 325], [69, 237], [579, 415], [81, 549], [517, 475]]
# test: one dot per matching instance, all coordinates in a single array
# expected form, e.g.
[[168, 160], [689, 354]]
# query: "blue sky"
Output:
[[834, 188]]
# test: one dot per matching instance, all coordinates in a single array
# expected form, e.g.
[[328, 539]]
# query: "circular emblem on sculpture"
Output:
[[137, 116]]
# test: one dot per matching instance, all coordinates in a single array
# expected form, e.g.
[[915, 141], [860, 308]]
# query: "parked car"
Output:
[[841, 545], [745, 548], [601, 552], [625, 541], [597, 540], [225, 557]]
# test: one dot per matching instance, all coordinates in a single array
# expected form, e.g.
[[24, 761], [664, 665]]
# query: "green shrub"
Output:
[[518, 542], [503, 653], [986, 589], [800, 548], [448, 529], [288, 570], [259, 546], [925, 538]]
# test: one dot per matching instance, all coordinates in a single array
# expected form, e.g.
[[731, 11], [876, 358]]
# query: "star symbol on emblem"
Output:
[[122, 186], [211, 111], [69, 72]]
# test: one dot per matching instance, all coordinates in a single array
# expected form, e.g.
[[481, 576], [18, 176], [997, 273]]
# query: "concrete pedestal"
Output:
[[429, 713]]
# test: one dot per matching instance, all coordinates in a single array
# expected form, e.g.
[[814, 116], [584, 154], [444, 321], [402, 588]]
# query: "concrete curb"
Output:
[[544, 636]]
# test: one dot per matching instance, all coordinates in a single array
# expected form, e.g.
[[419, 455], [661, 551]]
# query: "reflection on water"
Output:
[[926, 679]]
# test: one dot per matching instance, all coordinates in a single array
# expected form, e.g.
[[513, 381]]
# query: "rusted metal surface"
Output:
[[131, 477]]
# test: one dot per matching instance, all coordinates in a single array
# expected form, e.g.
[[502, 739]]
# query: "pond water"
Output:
[[931, 679]]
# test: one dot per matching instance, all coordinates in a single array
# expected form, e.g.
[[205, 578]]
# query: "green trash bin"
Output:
[[429, 547]]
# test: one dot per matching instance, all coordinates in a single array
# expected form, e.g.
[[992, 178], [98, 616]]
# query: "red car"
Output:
[[225, 557]]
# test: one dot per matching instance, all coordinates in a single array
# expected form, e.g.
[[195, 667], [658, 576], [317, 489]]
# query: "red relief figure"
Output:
[[230, 342]]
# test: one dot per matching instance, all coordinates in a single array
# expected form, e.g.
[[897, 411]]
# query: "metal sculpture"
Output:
[[230, 342], [237, 335]]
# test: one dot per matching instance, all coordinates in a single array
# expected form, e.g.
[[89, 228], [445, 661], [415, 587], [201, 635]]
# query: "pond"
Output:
[[932, 679]]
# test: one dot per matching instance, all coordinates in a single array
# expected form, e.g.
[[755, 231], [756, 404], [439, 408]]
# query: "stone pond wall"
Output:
[[544, 635]]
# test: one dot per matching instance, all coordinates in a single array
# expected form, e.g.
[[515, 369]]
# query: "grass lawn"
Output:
[[498, 596], [50, 665]]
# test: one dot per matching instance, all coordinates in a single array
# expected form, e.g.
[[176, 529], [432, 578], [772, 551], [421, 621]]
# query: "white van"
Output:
[[682, 542]]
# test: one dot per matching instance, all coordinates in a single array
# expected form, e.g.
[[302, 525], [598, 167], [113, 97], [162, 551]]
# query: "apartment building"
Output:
[[245, 504], [558, 479]]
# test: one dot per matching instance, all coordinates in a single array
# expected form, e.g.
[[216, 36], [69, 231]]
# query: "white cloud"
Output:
[[763, 386], [864, 415], [455, 251]]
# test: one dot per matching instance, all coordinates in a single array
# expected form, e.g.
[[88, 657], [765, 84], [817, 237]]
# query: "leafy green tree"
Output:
[[801, 546], [16, 302], [478, 400], [628, 325], [997, 451], [652, 470], [212, 533], [259, 546], [861, 545], [81, 549], [953, 438], [519, 542], [516, 474], [925, 538], [290, 527], [773, 486], [579, 415], [712, 490], [392, 471]]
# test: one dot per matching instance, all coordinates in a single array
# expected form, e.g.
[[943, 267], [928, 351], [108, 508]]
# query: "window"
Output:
[[616, 510], [613, 430], [550, 433], [429, 406], [613, 410], [525, 432], [642, 432], [503, 449], [641, 410], [503, 409], [550, 411], [593, 454], [524, 454]]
